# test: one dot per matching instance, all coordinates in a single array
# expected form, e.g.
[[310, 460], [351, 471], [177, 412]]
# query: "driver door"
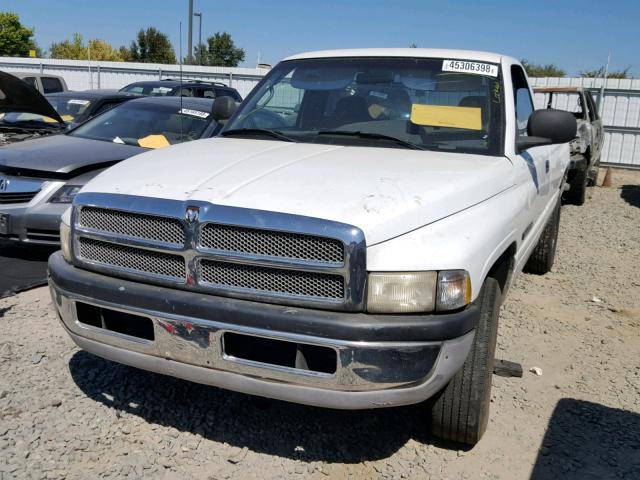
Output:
[[538, 160]]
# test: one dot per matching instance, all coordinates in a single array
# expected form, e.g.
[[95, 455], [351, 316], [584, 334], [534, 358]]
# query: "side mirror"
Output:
[[546, 127], [223, 108]]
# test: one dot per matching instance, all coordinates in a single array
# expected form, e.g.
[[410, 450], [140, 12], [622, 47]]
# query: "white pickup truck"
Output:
[[345, 242]]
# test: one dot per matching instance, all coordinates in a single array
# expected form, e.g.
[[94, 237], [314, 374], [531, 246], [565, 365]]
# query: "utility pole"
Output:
[[190, 37], [199, 15], [600, 102]]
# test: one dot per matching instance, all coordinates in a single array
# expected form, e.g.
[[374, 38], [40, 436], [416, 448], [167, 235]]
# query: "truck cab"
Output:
[[345, 242]]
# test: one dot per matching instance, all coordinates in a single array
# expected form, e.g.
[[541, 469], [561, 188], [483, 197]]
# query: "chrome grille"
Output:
[[289, 282], [18, 197], [271, 243], [130, 258], [149, 227], [222, 250]]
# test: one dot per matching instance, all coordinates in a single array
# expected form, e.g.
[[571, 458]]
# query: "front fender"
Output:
[[471, 240]]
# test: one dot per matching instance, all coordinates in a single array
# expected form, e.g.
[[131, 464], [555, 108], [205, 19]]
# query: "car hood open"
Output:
[[61, 156], [385, 192], [18, 96]]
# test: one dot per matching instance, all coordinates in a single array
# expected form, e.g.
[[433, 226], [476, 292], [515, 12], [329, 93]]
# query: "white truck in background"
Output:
[[345, 242]]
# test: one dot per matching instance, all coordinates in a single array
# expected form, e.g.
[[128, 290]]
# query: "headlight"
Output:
[[65, 194], [65, 241], [413, 292]]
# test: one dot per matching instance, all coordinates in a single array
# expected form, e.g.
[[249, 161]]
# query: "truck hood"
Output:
[[386, 192], [61, 156], [18, 96]]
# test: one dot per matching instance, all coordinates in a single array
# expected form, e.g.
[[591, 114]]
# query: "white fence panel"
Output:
[[84, 75]]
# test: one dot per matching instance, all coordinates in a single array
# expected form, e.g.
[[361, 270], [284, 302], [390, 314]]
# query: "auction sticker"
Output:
[[77, 101], [194, 113], [464, 66]]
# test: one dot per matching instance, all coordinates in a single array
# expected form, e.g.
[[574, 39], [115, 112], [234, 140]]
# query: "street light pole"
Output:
[[190, 38], [199, 15]]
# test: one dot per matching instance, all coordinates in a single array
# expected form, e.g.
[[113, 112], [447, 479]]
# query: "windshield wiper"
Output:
[[372, 136], [257, 131]]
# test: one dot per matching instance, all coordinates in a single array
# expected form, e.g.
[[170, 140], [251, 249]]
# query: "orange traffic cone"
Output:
[[607, 178]]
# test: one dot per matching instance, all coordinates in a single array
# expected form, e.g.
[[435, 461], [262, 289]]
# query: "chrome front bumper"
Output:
[[368, 375]]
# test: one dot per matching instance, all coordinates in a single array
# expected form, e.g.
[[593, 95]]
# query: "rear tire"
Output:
[[544, 253], [578, 191], [461, 411]]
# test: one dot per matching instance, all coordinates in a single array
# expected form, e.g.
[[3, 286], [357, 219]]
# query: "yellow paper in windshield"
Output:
[[154, 141], [67, 118], [446, 116]]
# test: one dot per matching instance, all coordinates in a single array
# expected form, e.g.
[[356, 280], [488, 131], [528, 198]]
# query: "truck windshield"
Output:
[[420, 103]]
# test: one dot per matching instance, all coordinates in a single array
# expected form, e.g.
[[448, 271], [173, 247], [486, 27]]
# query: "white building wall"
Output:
[[84, 75]]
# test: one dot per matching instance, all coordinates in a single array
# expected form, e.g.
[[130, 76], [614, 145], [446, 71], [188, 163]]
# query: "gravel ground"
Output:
[[67, 414]]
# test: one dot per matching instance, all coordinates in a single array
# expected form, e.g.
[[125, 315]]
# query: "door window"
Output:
[[522, 99], [31, 81], [51, 85], [593, 110]]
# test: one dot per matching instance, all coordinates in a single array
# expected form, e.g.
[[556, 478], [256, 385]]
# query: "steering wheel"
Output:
[[264, 119]]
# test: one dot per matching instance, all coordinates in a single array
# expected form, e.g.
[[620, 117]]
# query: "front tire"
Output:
[[544, 253], [461, 411], [592, 176]]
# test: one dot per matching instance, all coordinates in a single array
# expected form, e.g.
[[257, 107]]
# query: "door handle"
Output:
[[546, 166]]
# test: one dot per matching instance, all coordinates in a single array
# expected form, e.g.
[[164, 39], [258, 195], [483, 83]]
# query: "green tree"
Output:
[[220, 51], [71, 49], [536, 70], [599, 73], [15, 38], [125, 54], [152, 46], [75, 49]]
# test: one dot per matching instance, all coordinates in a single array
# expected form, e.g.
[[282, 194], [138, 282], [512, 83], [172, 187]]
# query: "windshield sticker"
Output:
[[154, 141], [475, 68], [67, 118], [118, 140], [75, 101], [194, 113], [468, 118]]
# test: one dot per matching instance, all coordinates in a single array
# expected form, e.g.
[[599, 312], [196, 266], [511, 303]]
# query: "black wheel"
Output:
[[461, 411], [578, 191], [592, 176], [544, 253]]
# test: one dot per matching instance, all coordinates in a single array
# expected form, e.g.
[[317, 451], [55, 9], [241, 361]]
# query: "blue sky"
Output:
[[542, 31]]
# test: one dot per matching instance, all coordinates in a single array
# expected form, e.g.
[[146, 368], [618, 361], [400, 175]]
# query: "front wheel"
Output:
[[461, 411], [592, 176], [578, 187]]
